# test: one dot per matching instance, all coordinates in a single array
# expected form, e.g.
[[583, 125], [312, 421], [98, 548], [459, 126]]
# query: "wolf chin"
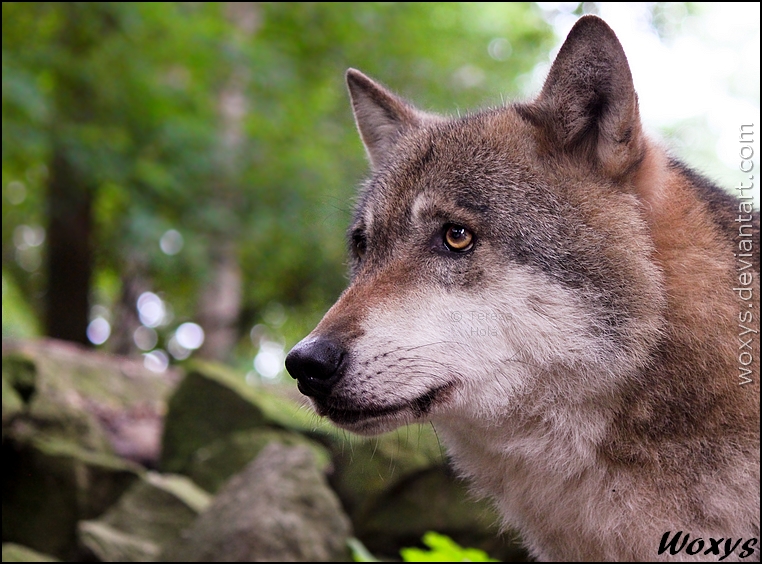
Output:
[[554, 293]]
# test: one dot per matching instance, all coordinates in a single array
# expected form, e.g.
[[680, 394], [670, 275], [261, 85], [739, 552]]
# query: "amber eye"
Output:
[[458, 238]]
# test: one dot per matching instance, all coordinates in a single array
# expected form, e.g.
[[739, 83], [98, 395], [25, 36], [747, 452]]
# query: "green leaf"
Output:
[[443, 549]]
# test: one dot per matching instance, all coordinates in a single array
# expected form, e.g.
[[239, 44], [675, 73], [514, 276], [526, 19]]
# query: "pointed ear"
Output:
[[380, 115], [588, 106]]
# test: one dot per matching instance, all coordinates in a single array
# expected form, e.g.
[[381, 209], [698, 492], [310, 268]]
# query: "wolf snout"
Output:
[[316, 363]]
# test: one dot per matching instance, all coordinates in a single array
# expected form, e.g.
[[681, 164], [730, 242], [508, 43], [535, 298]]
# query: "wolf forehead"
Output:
[[484, 171], [460, 169]]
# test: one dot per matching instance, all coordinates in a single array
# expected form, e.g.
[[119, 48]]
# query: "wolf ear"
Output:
[[380, 115], [588, 105]]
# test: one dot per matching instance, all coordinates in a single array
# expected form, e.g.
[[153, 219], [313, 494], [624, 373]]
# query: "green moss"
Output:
[[367, 467], [20, 372], [212, 402], [151, 513], [49, 484], [213, 464], [17, 553]]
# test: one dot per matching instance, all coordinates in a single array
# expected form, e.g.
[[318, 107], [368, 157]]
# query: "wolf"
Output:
[[567, 304]]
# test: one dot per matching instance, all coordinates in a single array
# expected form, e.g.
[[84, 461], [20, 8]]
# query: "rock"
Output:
[[68, 411], [213, 402], [17, 553], [20, 373], [430, 500], [112, 545], [102, 402], [368, 467], [398, 486], [213, 464], [49, 484], [12, 403], [278, 509], [150, 515]]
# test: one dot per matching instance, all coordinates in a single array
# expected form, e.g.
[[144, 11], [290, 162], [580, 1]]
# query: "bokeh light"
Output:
[[156, 361], [145, 338], [171, 242], [190, 336], [177, 350], [151, 309], [98, 331], [25, 236], [500, 49], [15, 192], [269, 360]]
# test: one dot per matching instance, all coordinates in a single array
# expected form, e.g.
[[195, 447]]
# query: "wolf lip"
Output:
[[419, 406], [349, 416]]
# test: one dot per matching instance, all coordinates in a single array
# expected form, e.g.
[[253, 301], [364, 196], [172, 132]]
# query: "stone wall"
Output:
[[104, 460]]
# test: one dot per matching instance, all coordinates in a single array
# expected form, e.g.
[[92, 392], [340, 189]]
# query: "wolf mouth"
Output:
[[420, 406]]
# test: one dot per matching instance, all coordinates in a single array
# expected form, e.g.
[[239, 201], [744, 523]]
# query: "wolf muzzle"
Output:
[[317, 365]]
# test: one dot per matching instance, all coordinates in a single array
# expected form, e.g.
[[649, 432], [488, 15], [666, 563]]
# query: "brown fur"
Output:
[[602, 407]]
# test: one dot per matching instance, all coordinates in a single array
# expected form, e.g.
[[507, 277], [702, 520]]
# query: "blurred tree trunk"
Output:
[[220, 302], [72, 185], [69, 252]]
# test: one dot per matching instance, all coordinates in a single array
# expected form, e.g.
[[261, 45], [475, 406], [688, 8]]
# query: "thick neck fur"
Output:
[[602, 478]]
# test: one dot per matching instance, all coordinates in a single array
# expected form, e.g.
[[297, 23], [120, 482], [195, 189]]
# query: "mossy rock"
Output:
[[367, 467], [49, 484], [12, 403], [93, 399], [16, 553], [20, 373], [433, 500], [213, 464], [278, 509], [19, 376], [213, 402], [150, 515]]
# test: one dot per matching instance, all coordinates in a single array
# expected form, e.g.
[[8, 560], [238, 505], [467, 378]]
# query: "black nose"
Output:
[[316, 365]]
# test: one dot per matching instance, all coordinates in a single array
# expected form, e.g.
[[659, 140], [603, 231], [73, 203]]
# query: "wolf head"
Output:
[[499, 261]]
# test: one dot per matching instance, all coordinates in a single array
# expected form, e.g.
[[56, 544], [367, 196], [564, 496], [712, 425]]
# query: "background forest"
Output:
[[177, 176]]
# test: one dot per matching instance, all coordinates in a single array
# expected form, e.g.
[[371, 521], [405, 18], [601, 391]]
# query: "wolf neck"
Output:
[[542, 476], [499, 454]]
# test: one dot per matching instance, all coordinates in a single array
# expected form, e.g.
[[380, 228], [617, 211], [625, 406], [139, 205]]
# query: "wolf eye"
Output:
[[458, 238], [359, 244]]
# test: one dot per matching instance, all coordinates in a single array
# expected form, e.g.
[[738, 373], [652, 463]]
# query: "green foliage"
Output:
[[133, 93], [18, 321], [441, 549]]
